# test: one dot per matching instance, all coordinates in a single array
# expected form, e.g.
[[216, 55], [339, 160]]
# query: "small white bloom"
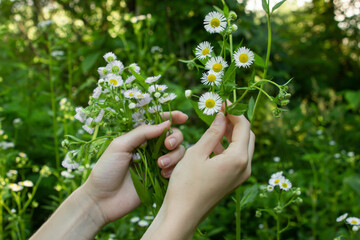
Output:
[[355, 228], [132, 105], [134, 219], [210, 103], [11, 173], [88, 129], [26, 183], [143, 223], [261, 226], [337, 155], [342, 217], [154, 109], [319, 132], [217, 64], [109, 57], [353, 221], [44, 24], [351, 154], [80, 114], [144, 101], [1, 132], [203, 50], [22, 154], [157, 95], [277, 174], [6, 145], [136, 156], [13, 210], [270, 188], [285, 184], [63, 101], [156, 49], [131, 93], [130, 79], [332, 143], [115, 67], [114, 80], [14, 187], [276, 159], [148, 217], [152, 79], [135, 68], [102, 71], [244, 57], [17, 121], [215, 22], [188, 93], [139, 95], [291, 171], [66, 174], [167, 98], [68, 162], [97, 92], [100, 116], [157, 88], [211, 78], [57, 53]]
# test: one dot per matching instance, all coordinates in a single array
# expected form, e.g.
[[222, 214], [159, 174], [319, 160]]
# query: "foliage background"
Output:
[[316, 44]]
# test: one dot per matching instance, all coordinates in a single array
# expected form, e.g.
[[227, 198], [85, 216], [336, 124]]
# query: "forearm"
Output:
[[78, 218]]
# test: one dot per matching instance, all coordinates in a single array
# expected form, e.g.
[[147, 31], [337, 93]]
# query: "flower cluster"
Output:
[[277, 179], [352, 221]]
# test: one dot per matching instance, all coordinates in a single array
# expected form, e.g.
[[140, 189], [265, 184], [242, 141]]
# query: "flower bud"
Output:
[[262, 195], [258, 214], [276, 112], [234, 27], [188, 93], [190, 66], [157, 94], [229, 31], [284, 102], [278, 209], [132, 105], [65, 143], [298, 191], [232, 15], [287, 95], [298, 200]]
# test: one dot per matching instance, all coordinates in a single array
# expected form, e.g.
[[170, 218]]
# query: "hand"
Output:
[[199, 182], [109, 184]]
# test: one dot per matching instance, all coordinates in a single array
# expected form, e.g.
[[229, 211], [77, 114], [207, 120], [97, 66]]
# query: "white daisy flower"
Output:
[[270, 188], [277, 174], [115, 67], [144, 101], [211, 78], [102, 71], [14, 187], [131, 93], [143, 223], [157, 88], [11, 173], [140, 95], [87, 127], [100, 116], [134, 219], [110, 109], [285, 184], [167, 98], [135, 68], [217, 64], [148, 217], [342, 217], [80, 114], [215, 22], [154, 109], [203, 50], [138, 116], [188, 93], [152, 79], [97, 92], [273, 181], [276, 159], [130, 79], [210, 103], [22, 154], [26, 183], [68, 162], [114, 80], [136, 157], [355, 228], [244, 57], [132, 105], [66, 174], [353, 221], [109, 57]]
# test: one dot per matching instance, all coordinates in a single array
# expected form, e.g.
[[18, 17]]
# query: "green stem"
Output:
[[261, 90], [278, 227], [69, 57], [95, 133], [238, 214], [265, 68]]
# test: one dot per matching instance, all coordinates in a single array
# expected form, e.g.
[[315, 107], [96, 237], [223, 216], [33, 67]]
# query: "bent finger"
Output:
[[177, 117], [174, 140], [172, 158]]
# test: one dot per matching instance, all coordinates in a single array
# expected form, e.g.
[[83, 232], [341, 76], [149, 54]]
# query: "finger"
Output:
[[176, 116], [211, 138], [219, 149], [166, 173], [129, 141], [172, 158], [251, 145], [174, 140], [240, 136]]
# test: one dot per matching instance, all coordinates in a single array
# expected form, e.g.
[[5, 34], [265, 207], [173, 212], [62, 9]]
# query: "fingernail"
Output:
[[219, 120], [172, 142], [165, 161]]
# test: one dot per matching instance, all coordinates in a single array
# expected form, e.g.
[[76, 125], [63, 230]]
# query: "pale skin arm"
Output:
[[109, 193], [199, 182]]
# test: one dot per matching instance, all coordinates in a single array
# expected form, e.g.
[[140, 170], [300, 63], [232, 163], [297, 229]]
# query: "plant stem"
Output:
[[238, 214], [69, 56], [278, 227], [265, 68]]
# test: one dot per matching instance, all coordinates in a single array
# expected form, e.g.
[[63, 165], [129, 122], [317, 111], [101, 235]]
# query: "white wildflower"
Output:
[[152, 79]]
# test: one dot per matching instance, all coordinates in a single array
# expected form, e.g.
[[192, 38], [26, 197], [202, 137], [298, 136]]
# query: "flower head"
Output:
[[80, 114], [167, 98], [342, 217], [157, 88], [131, 93], [244, 57], [130, 79], [270, 188], [211, 78], [115, 67], [285, 184], [215, 22], [203, 50], [152, 79], [217, 64], [143, 102], [143, 223], [100, 116], [66, 174], [353, 221], [102, 71], [68, 161], [109, 57], [210, 103], [14, 187], [26, 183], [114, 80]]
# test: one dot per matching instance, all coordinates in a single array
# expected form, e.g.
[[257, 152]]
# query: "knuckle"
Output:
[[213, 131]]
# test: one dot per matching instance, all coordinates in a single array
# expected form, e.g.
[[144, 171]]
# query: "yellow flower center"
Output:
[[210, 103], [131, 94], [217, 67], [353, 222], [284, 185], [140, 95], [211, 78], [205, 51], [243, 58], [113, 81], [277, 181], [215, 22]]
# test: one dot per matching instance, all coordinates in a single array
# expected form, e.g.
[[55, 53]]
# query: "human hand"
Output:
[[199, 182], [110, 185]]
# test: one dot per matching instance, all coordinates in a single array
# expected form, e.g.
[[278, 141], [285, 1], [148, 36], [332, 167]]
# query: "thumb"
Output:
[[131, 140], [212, 136]]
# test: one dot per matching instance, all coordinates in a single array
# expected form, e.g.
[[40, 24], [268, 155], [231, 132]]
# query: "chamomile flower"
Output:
[[140, 95], [114, 80], [210, 103], [15, 187], [109, 57], [115, 67], [68, 162], [26, 183], [276, 178], [355, 228], [157, 88], [130, 79], [80, 114], [203, 50], [143, 102], [132, 105], [270, 188], [102, 71], [131, 93], [134, 219], [11, 173], [97, 92], [342, 217], [167, 98], [152, 79], [217, 64], [215, 22], [353, 221], [285, 184], [135, 68], [100, 116], [154, 109], [211, 78], [244, 57], [143, 223]]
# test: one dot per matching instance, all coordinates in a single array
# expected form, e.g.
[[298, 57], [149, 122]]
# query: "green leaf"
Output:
[[249, 196], [226, 11], [139, 79], [158, 145], [277, 6], [89, 61], [229, 73], [353, 182], [75, 139], [237, 109], [265, 6], [239, 45], [159, 193], [140, 189], [251, 108], [208, 119], [218, 10], [259, 61], [288, 81]]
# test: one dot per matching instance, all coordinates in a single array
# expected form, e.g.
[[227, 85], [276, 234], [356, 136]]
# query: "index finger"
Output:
[[240, 135], [177, 117]]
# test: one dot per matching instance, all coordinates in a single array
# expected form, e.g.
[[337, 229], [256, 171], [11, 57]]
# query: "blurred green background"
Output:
[[314, 41]]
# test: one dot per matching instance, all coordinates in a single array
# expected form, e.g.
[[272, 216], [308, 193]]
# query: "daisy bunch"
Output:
[[222, 63], [123, 100], [352, 223]]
